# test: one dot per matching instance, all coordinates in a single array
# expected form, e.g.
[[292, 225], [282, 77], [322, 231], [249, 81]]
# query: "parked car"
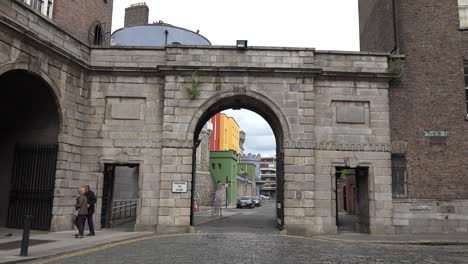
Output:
[[257, 201], [246, 201], [264, 197]]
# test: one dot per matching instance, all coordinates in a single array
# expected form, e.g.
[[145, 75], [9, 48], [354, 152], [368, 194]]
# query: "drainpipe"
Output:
[[166, 33], [396, 48]]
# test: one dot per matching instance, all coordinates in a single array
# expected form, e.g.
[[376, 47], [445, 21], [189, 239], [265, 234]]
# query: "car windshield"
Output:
[[245, 198]]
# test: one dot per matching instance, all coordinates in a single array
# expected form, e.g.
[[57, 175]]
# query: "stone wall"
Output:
[[204, 188], [430, 216], [56, 58], [204, 184], [244, 188]]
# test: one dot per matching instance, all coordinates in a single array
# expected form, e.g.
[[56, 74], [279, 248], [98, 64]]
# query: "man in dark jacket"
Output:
[[91, 197]]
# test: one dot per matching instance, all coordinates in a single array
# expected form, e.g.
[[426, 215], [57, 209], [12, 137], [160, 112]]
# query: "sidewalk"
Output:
[[44, 244], [403, 239], [205, 214]]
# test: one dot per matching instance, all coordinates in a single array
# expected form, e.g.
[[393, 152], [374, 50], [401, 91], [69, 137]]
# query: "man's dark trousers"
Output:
[[91, 201], [89, 218]]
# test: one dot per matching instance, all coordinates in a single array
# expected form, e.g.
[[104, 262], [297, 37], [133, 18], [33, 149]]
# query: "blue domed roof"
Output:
[[156, 35]]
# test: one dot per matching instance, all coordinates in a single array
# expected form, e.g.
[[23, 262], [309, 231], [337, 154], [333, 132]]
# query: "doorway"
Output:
[[352, 199], [29, 128], [120, 196]]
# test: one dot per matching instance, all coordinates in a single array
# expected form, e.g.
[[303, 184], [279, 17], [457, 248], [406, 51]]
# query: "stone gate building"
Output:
[[105, 106]]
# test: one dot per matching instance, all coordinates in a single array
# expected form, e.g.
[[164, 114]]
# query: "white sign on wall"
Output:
[[179, 186]]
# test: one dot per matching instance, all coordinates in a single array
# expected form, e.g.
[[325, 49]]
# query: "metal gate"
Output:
[[280, 190], [32, 187]]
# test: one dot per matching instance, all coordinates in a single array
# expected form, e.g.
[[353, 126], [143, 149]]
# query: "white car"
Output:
[[246, 201]]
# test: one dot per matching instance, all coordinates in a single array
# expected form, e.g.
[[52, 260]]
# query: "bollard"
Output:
[[25, 240]]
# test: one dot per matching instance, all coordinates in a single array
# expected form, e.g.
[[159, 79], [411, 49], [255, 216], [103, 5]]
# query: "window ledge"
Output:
[[463, 29]]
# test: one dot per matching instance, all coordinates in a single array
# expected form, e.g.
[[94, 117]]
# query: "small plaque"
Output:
[[179, 186]]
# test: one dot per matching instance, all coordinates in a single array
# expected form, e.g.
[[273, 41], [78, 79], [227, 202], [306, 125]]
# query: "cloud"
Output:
[[259, 136]]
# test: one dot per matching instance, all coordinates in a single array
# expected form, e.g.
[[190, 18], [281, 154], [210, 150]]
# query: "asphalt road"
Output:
[[258, 220], [250, 237]]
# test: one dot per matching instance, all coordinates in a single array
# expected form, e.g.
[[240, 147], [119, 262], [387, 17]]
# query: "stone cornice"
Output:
[[331, 146], [239, 69]]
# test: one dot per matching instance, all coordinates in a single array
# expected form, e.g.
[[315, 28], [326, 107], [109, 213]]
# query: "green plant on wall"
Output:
[[194, 89], [395, 67]]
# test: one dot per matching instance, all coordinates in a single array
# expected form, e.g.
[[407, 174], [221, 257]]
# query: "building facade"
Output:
[[109, 106], [226, 133], [428, 108], [89, 22], [268, 176], [255, 160], [223, 169]]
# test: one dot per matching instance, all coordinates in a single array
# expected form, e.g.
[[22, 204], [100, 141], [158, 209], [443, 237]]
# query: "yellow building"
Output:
[[229, 136]]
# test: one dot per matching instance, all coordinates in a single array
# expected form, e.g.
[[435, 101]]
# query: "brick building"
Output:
[[88, 21], [428, 108]]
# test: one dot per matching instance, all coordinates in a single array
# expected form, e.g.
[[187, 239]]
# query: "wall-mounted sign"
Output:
[[179, 186], [436, 133]]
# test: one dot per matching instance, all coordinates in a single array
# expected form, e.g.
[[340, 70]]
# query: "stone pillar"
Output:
[[299, 189], [174, 208]]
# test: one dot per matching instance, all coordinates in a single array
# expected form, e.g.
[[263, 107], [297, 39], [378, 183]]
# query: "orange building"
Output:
[[225, 135]]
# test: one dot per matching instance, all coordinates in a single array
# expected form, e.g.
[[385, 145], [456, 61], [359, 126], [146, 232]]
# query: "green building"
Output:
[[246, 170], [223, 168]]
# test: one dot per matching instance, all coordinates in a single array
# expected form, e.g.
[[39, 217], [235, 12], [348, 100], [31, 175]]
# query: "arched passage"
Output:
[[265, 110], [29, 128]]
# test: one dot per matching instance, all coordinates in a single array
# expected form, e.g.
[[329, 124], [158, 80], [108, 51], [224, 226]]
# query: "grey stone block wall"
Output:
[[430, 216]]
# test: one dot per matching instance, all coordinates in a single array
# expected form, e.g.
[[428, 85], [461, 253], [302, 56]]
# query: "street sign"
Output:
[[179, 186], [436, 133]]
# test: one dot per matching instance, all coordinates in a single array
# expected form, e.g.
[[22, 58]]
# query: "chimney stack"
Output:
[[136, 15]]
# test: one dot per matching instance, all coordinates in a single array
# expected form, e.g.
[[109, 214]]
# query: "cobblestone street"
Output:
[[249, 236]]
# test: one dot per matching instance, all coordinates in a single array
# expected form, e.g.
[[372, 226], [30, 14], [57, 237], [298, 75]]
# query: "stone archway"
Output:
[[28, 148], [263, 107]]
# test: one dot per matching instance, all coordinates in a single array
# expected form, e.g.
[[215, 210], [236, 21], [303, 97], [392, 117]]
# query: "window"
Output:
[[42, 6], [213, 166], [399, 176], [219, 165], [98, 38], [463, 13]]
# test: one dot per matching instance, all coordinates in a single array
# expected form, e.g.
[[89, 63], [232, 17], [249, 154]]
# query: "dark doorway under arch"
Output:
[[29, 128], [266, 112]]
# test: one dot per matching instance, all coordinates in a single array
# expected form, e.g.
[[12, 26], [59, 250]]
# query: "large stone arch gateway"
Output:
[[254, 101], [128, 105]]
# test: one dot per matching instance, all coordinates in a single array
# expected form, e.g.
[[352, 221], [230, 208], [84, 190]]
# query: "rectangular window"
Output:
[[463, 13], [42, 6], [399, 176]]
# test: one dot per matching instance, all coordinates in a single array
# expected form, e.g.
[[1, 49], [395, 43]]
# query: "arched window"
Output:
[[98, 37]]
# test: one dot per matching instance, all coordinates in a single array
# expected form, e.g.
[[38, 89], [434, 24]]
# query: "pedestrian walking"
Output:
[[91, 198], [81, 208]]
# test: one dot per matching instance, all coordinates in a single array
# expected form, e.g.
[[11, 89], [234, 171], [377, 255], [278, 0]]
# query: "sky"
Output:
[[259, 138], [320, 24]]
